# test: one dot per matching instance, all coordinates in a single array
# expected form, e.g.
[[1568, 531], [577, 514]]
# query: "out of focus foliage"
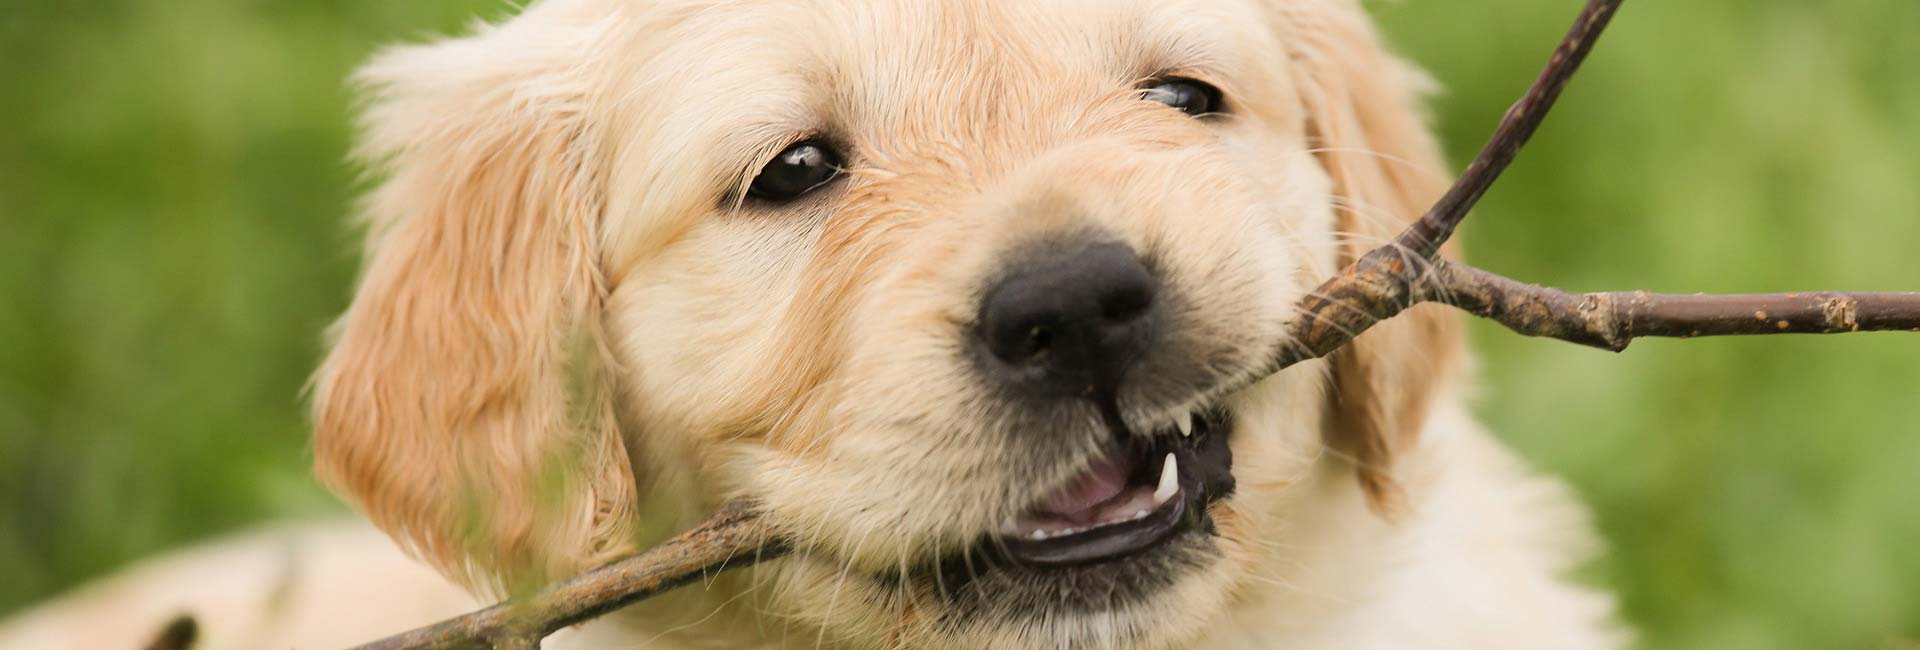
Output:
[[172, 244]]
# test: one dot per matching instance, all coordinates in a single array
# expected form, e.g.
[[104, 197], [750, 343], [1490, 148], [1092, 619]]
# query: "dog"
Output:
[[969, 297]]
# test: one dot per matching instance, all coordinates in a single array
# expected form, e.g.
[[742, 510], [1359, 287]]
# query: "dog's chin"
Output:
[[1122, 536]]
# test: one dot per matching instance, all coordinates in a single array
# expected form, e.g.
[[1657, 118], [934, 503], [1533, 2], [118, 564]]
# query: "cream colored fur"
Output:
[[321, 585], [575, 337]]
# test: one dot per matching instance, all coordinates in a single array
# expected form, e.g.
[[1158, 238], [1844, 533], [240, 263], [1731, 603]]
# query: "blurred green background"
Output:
[[172, 244]]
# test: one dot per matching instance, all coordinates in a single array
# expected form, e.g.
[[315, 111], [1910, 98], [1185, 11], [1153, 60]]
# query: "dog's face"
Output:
[[955, 291]]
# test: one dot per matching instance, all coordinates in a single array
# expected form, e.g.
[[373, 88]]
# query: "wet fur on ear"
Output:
[[463, 407], [1365, 124]]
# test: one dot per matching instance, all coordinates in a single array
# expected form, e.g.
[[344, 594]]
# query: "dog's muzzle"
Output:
[[1068, 321]]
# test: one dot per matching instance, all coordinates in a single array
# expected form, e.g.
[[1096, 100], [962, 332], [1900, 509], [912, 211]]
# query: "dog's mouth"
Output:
[[1137, 495], [1127, 526]]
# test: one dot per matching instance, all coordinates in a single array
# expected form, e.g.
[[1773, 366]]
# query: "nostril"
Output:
[[1127, 302], [1039, 337], [1022, 346]]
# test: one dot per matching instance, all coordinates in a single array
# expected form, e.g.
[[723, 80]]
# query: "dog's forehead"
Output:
[[709, 90], [880, 62]]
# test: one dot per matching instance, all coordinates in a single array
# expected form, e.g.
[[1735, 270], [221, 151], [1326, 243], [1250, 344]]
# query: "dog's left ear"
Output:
[[462, 407], [1365, 124]]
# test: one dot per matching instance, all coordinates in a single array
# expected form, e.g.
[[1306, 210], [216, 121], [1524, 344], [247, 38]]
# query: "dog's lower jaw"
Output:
[[1300, 563], [1179, 587], [1474, 563]]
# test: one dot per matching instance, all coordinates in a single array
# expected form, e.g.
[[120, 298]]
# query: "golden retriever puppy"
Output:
[[965, 294], [953, 289]]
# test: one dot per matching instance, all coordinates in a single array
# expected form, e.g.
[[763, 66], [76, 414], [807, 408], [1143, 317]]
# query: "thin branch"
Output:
[[1378, 286], [1391, 279], [1612, 320], [1516, 128], [734, 538]]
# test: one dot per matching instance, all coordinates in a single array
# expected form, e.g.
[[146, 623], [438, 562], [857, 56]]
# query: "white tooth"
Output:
[[1137, 516], [1169, 481], [1185, 424], [1038, 535]]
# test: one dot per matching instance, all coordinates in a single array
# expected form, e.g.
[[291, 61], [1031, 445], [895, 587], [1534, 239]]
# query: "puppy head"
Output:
[[954, 290]]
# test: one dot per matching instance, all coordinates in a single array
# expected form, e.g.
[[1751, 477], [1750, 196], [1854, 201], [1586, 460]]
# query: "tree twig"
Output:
[[734, 538], [1378, 286], [1381, 283], [1515, 130], [1612, 320], [1393, 278]]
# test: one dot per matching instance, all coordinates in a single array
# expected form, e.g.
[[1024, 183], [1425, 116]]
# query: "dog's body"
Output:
[[969, 297], [314, 585]]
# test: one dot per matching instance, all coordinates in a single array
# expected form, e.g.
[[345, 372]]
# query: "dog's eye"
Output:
[[796, 171], [1190, 96]]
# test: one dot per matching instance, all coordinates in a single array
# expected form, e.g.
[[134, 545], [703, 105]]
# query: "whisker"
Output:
[[1425, 170]]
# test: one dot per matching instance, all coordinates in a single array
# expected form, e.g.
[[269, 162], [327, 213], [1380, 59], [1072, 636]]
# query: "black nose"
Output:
[[1071, 316]]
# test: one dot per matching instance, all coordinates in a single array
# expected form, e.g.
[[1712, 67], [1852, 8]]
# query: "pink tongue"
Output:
[[1078, 502]]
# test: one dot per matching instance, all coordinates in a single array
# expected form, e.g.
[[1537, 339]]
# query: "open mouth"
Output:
[[1136, 496]]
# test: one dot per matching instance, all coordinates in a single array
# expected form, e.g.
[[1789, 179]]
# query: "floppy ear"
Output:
[[462, 407], [1367, 129]]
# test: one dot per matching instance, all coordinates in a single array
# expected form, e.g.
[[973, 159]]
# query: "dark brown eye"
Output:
[[796, 171], [1192, 97]]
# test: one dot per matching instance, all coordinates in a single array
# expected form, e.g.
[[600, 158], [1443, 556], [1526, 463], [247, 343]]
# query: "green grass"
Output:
[[171, 245]]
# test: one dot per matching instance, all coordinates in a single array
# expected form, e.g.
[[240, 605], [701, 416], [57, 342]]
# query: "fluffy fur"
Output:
[[576, 335], [314, 586]]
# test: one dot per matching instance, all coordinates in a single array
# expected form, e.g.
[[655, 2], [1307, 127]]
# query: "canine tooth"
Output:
[[1139, 515], [1169, 481], [1185, 424], [1037, 535]]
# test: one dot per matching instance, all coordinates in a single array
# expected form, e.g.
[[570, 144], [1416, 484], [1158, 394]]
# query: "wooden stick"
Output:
[[734, 538], [1393, 278], [1515, 130], [1381, 283], [1611, 321]]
